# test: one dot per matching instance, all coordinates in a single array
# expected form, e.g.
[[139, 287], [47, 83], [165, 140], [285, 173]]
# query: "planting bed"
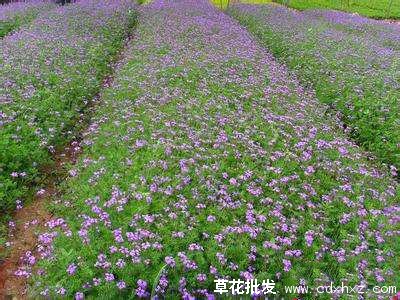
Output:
[[352, 62]]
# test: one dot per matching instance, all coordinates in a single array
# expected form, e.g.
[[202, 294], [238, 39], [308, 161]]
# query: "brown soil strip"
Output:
[[29, 221]]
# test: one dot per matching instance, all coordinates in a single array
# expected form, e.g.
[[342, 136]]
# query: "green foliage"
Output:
[[380, 9]]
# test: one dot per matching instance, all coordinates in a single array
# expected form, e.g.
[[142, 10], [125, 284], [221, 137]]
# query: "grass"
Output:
[[380, 9]]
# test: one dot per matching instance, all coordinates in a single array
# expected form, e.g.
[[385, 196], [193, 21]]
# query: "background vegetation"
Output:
[[370, 8], [379, 9]]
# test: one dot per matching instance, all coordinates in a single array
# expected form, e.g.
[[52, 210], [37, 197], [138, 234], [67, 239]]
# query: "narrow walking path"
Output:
[[27, 223], [208, 160]]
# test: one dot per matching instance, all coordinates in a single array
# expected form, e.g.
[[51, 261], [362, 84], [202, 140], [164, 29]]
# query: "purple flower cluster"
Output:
[[23, 9], [17, 14]]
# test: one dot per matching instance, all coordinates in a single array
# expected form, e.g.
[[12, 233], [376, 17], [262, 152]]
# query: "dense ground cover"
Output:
[[207, 160], [48, 72], [381, 9], [15, 14], [351, 61]]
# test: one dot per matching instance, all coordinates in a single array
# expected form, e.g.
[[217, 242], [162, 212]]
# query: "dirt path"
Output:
[[31, 220]]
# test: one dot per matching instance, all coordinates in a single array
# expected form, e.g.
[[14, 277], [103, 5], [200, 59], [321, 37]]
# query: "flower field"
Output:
[[352, 62], [49, 72], [15, 14], [206, 159], [204, 156]]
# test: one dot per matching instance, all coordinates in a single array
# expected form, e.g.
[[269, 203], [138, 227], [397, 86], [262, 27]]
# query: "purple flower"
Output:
[[120, 263], [255, 190], [170, 261], [96, 281], [201, 277], [309, 237], [287, 265], [343, 151], [71, 270], [109, 277], [211, 218], [61, 291], [121, 285], [141, 289], [233, 181]]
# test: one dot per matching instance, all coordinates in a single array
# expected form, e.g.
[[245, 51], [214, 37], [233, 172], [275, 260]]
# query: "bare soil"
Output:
[[29, 221]]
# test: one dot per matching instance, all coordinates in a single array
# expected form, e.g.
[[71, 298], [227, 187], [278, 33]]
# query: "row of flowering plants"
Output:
[[48, 73], [352, 62], [15, 14], [207, 161]]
